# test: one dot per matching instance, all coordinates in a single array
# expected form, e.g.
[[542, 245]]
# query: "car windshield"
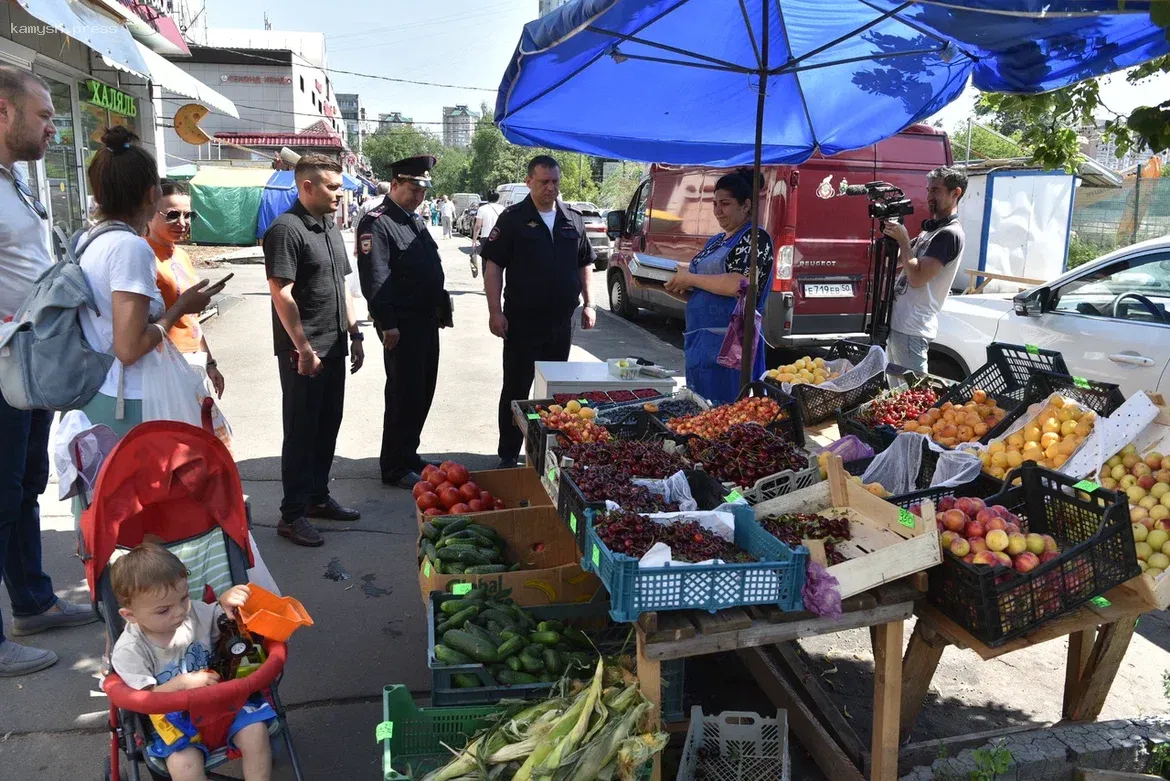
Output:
[[1094, 294]]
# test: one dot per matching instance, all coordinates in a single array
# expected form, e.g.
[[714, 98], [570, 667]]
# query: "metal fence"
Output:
[[1105, 218]]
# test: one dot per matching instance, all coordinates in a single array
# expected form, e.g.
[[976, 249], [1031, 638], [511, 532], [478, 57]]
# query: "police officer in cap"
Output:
[[402, 280], [541, 246]]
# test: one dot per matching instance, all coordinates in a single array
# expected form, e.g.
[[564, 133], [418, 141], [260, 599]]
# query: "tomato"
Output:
[[458, 475], [432, 511], [475, 506], [449, 497], [487, 498], [448, 464], [428, 472], [468, 491], [422, 487], [437, 477], [443, 486], [498, 504], [459, 509], [427, 500]]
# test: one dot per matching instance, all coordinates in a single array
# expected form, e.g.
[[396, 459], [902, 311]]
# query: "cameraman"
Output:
[[929, 264]]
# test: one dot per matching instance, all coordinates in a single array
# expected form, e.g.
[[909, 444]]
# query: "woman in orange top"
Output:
[[176, 273]]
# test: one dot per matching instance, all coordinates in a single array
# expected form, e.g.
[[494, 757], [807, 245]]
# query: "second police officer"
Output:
[[540, 244], [402, 280]]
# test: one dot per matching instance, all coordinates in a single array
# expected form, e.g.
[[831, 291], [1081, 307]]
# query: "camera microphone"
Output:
[[857, 189]]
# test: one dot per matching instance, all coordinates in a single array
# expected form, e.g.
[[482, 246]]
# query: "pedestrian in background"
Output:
[[26, 130], [312, 312], [402, 280], [424, 211], [170, 224], [447, 212], [485, 221], [541, 246]]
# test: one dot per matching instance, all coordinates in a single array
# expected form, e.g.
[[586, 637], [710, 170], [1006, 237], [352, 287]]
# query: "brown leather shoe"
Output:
[[331, 510], [300, 532]]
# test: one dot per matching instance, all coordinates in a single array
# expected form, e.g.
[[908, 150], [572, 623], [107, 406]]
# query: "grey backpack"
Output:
[[45, 361]]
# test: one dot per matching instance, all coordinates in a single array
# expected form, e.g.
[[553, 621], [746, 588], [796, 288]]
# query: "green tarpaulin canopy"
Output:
[[227, 201]]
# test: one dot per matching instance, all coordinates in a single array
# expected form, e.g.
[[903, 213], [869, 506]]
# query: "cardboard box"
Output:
[[544, 546], [887, 542], [519, 487]]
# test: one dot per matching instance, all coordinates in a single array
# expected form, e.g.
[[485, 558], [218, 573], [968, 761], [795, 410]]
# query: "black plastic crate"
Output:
[[982, 486], [788, 424], [819, 404], [1101, 397], [882, 436], [1090, 524]]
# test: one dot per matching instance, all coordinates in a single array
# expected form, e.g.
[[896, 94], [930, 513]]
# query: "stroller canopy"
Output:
[[167, 479]]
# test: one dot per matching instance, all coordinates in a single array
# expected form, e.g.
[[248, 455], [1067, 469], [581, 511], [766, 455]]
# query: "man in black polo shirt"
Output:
[[312, 309], [542, 246]]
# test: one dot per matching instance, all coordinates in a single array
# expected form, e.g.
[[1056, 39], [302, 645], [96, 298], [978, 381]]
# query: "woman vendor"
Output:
[[713, 280]]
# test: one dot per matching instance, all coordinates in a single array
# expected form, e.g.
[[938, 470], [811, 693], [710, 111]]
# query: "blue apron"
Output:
[[708, 316]]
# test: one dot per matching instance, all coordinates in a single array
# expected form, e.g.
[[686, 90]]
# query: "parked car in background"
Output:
[[595, 231], [1108, 318], [512, 193], [465, 222], [462, 201]]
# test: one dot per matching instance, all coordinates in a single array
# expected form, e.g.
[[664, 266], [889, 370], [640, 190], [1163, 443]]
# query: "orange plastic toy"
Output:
[[273, 617]]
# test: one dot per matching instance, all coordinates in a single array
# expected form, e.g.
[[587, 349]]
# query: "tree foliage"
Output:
[[618, 188], [396, 142], [985, 145]]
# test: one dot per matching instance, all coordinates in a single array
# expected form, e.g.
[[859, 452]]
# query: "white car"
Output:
[[1108, 318]]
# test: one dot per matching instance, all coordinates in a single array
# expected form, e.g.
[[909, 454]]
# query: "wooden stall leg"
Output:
[[887, 701], [1080, 649], [922, 657], [1112, 643], [650, 681]]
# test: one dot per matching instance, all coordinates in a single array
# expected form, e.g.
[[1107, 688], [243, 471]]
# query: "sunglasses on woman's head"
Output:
[[30, 199], [174, 214]]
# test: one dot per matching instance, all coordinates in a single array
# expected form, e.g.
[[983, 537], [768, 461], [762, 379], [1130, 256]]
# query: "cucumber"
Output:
[[453, 606], [508, 634], [514, 663], [454, 568], [486, 569], [448, 655], [515, 678], [439, 521], [531, 664], [510, 646], [460, 618], [545, 638], [457, 525], [499, 616], [578, 638], [438, 566], [553, 662], [534, 650], [463, 554], [430, 532], [551, 626], [485, 531], [477, 648], [427, 548], [465, 681]]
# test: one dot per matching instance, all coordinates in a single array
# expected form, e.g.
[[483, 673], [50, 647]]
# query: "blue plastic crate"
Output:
[[775, 579]]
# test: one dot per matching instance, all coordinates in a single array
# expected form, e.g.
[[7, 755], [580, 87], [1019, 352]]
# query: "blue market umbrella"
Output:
[[735, 82]]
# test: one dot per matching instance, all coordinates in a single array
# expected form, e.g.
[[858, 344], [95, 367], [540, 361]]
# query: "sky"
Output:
[[460, 42], [469, 43]]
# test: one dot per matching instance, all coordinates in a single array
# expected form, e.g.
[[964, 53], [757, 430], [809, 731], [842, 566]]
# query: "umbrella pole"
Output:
[[749, 309]]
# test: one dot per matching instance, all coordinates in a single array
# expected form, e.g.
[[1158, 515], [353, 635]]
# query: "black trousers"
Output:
[[312, 409], [528, 341], [412, 369]]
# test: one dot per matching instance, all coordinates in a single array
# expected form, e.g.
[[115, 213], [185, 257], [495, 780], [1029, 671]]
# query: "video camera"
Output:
[[887, 202]]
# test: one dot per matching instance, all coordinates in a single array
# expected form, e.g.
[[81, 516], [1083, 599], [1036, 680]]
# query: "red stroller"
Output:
[[179, 484]]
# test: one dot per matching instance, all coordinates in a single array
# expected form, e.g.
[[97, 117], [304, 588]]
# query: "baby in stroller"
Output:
[[167, 646]]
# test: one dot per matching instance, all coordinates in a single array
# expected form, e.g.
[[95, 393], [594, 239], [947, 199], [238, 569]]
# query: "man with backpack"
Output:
[[26, 129]]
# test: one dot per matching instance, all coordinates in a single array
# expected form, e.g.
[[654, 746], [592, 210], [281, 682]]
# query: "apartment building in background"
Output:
[[458, 125]]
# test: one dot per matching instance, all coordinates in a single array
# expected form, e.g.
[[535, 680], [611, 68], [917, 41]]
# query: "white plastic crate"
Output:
[[736, 746]]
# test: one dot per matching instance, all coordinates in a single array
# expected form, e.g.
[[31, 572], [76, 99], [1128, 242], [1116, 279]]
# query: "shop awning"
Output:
[[166, 74], [99, 32]]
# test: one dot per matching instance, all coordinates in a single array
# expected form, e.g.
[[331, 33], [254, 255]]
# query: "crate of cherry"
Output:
[[758, 402], [877, 422], [817, 403], [753, 462], [1030, 553], [750, 566]]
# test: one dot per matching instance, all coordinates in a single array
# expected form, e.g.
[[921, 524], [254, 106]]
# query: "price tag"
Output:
[[1032, 349], [906, 518], [459, 589], [1086, 485], [734, 496], [533, 416], [1080, 382], [552, 474], [583, 402], [384, 731], [573, 522], [1100, 602], [426, 568], [596, 557]]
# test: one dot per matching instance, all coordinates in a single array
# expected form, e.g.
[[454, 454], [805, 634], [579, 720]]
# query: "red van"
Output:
[[822, 269]]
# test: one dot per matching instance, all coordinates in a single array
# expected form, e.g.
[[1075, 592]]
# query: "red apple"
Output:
[[1026, 562], [960, 547], [1163, 524], [954, 520], [973, 529], [1147, 482], [1154, 460]]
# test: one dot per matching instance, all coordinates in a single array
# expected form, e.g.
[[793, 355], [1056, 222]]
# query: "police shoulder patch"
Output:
[[495, 234], [366, 242]]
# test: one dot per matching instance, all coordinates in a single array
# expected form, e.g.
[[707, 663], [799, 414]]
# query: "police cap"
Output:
[[414, 169]]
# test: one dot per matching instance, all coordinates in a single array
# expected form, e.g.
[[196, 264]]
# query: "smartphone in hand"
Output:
[[217, 287]]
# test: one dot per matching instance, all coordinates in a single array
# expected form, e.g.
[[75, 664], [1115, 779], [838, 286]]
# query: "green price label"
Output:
[[384, 731], [1080, 382], [1086, 485], [734, 496], [552, 474], [533, 416], [596, 556], [1032, 349], [906, 518], [426, 568], [459, 589], [1100, 602], [583, 402], [573, 522]]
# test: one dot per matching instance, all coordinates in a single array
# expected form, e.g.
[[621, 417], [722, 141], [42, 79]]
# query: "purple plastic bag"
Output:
[[731, 351], [821, 591], [850, 448]]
